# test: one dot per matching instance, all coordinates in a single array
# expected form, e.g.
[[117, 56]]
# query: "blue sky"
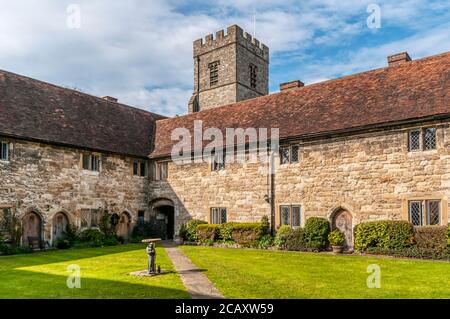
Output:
[[141, 51]]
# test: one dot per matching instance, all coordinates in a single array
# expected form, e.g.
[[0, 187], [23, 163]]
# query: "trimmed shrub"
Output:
[[226, 231], [295, 240], [62, 243], [384, 234], [282, 233], [336, 238], [431, 238], [207, 233], [448, 235], [191, 230], [316, 233], [247, 234]]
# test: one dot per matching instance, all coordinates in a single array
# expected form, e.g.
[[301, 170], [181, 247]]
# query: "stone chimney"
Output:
[[293, 85], [398, 58], [110, 99]]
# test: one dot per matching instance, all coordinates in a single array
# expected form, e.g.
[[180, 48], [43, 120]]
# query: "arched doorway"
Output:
[[164, 214], [60, 222], [342, 219], [32, 228], [124, 226]]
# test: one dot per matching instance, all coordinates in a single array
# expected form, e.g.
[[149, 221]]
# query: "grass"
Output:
[[275, 274], [104, 274]]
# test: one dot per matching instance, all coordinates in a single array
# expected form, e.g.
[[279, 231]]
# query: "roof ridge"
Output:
[[79, 92]]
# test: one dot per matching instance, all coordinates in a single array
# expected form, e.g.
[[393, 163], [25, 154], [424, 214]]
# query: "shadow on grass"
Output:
[[58, 255], [29, 285]]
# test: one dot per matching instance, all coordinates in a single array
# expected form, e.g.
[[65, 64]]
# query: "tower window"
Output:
[[214, 73], [253, 69]]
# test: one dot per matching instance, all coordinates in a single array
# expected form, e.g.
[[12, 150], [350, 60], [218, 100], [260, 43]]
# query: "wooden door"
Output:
[[31, 227], [343, 221]]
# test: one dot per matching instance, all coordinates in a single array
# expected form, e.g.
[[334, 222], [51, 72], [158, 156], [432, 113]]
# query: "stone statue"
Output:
[[151, 252]]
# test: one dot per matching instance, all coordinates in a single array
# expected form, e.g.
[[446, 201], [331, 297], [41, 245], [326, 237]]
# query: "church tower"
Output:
[[228, 68]]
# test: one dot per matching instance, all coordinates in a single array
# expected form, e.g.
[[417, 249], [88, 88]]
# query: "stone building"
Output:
[[369, 146]]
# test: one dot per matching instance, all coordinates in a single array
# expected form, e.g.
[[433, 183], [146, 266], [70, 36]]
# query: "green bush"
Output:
[[336, 238], [410, 252], [247, 234], [265, 224], [448, 235], [207, 233], [190, 232], [295, 240], [111, 240], [316, 233], [282, 233], [384, 234], [431, 238], [62, 243], [265, 241], [226, 231], [92, 236]]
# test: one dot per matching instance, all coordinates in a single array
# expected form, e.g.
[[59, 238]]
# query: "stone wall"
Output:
[[49, 179], [371, 175]]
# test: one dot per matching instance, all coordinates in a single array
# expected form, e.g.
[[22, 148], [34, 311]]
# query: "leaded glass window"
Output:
[[284, 155], [285, 212], [429, 139], [414, 140], [290, 215], [415, 213], [218, 215], [425, 212], [433, 212]]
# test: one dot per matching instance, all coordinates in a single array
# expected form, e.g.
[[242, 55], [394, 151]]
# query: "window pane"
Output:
[[296, 215], [429, 138], [135, 168], [163, 171], [214, 215], [143, 168], [433, 212], [414, 140], [86, 159], [94, 163], [153, 167], [415, 213], [4, 151], [85, 217], [223, 215], [284, 154], [294, 154], [94, 217], [285, 215]]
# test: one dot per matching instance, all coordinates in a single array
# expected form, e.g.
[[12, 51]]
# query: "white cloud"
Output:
[[141, 51]]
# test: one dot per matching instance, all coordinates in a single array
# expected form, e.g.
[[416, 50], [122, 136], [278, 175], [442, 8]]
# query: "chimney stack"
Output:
[[110, 99], [291, 85], [398, 58]]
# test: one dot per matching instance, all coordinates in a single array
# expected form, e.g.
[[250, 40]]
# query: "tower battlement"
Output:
[[234, 34]]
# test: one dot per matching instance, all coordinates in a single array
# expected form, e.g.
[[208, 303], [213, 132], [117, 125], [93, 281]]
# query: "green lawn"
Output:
[[274, 274], [104, 274]]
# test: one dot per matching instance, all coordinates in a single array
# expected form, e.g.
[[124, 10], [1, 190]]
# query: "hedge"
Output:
[[282, 233], [432, 238], [207, 233], [384, 235], [247, 234], [316, 233], [295, 240], [188, 231]]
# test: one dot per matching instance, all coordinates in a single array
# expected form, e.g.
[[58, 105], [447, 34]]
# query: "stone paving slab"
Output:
[[195, 281]]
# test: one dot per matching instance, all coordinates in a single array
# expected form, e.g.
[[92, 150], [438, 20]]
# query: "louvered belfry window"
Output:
[[214, 73]]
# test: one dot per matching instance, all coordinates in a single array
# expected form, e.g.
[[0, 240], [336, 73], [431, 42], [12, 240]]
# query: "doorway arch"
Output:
[[342, 219], [124, 226], [164, 212], [59, 223], [32, 227]]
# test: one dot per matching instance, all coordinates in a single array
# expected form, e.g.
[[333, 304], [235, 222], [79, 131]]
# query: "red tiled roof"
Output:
[[412, 90], [44, 112]]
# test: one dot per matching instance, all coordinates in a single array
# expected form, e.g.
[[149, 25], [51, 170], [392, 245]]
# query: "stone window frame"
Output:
[[214, 73], [89, 223], [139, 168], [216, 215], [93, 163], [5, 151], [157, 170], [291, 149], [291, 215], [421, 139], [406, 200]]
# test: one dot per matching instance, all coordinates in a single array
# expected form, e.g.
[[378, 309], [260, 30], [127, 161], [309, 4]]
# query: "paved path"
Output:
[[195, 281]]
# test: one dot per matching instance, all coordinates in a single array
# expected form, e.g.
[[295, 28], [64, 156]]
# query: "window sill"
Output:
[[424, 152], [90, 173], [5, 161]]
